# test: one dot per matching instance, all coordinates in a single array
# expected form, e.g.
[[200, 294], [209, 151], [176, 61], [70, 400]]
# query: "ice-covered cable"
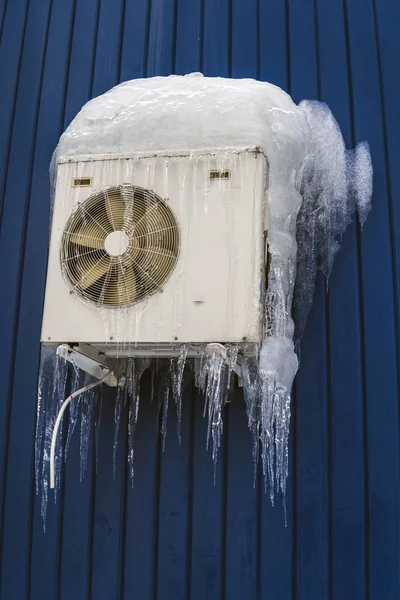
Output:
[[58, 421]]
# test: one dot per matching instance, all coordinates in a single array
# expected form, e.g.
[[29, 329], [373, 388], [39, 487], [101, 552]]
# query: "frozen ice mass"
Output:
[[315, 185]]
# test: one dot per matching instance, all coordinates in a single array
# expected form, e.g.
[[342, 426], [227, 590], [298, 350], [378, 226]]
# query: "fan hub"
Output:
[[116, 243]]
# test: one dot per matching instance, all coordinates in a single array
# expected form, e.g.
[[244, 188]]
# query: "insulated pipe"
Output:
[[58, 421]]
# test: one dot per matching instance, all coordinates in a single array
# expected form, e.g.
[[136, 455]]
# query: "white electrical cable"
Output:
[[58, 421]]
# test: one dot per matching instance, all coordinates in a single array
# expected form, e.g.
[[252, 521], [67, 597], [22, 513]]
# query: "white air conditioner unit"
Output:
[[151, 252]]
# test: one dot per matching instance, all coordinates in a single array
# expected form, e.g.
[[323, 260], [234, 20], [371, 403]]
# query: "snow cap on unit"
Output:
[[187, 113]]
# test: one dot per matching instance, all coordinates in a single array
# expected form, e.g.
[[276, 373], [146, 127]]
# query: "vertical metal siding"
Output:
[[176, 536]]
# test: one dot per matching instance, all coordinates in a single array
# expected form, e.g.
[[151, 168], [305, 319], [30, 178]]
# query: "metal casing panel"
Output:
[[215, 290]]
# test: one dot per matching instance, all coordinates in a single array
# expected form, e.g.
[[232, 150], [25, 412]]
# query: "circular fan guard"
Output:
[[138, 270]]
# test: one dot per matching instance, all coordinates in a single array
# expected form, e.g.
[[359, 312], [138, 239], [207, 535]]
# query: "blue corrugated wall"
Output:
[[176, 537]]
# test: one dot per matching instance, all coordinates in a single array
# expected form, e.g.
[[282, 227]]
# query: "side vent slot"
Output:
[[81, 182], [220, 175]]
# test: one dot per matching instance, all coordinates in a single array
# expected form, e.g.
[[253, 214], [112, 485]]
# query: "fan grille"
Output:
[[147, 255]]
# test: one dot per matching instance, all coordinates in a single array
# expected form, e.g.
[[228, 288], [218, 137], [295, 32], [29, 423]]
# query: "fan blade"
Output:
[[121, 288], [164, 236], [127, 284], [111, 295], [138, 209], [141, 216], [156, 262], [157, 254], [115, 207], [89, 235], [92, 268]]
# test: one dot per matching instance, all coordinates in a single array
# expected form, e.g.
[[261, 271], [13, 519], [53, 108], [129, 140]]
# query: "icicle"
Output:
[[77, 383], [251, 391], [177, 368], [44, 492], [335, 183], [232, 355], [43, 427], [142, 364], [58, 397], [131, 434], [40, 420], [97, 422], [274, 433], [51, 393], [117, 418], [213, 381], [163, 385], [133, 408], [47, 360], [87, 403], [214, 393]]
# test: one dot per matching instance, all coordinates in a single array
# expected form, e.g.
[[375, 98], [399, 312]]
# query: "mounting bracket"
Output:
[[94, 362], [88, 359]]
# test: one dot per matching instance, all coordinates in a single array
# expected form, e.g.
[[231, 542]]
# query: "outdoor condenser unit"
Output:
[[151, 252]]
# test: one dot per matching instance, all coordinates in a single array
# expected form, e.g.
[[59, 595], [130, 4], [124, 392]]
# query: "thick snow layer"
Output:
[[314, 186], [187, 113]]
